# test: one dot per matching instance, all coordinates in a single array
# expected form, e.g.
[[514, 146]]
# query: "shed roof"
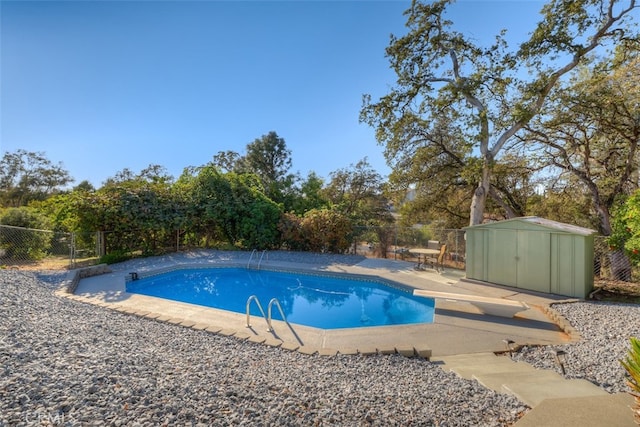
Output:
[[543, 222]]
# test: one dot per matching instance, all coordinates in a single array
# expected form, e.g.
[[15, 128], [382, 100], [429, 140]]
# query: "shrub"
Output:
[[290, 228], [626, 228], [24, 239], [114, 257], [326, 230]]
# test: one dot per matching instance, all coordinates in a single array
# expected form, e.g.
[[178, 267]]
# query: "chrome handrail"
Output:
[[250, 258], [255, 298], [277, 303], [262, 256]]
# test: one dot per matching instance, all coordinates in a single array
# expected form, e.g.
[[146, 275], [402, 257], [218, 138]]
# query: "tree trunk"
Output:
[[604, 216], [620, 265], [479, 199], [504, 205]]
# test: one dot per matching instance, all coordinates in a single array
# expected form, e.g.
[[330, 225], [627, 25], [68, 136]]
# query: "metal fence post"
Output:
[[72, 251], [99, 244]]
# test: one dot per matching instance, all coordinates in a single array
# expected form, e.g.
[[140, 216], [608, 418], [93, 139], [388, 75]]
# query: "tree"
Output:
[[254, 217], [589, 138], [151, 174], [591, 132], [326, 230], [232, 207], [269, 158], [479, 90], [430, 180], [561, 202], [134, 211], [309, 195], [27, 176], [84, 186], [226, 161], [356, 191]]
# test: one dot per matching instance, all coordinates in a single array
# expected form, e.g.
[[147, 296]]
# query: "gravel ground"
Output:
[[68, 363], [605, 329]]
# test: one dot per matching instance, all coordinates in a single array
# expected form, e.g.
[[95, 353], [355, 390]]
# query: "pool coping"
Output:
[[457, 328]]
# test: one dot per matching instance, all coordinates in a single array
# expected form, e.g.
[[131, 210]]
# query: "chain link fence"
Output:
[[24, 247], [29, 248], [612, 264]]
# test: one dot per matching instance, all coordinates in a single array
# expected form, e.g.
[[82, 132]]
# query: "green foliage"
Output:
[[267, 158], [563, 205], [135, 212], [310, 195], [632, 366], [84, 186], [626, 228], [232, 206], [258, 225], [413, 236], [24, 217], [60, 210], [19, 244]]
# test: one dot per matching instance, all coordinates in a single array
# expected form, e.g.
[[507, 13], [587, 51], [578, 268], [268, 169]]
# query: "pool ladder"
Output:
[[274, 301], [253, 252]]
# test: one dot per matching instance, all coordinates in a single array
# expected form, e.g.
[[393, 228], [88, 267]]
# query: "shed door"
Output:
[[502, 257], [534, 261]]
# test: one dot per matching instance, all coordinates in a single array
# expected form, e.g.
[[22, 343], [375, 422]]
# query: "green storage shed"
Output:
[[532, 253]]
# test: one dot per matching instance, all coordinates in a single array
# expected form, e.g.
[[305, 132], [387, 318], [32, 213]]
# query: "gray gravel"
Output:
[[605, 329], [68, 363]]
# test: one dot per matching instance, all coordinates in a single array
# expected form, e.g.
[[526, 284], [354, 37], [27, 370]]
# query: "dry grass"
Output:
[[50, 263]]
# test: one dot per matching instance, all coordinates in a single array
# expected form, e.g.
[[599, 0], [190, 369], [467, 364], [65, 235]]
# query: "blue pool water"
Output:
[[325, 302]]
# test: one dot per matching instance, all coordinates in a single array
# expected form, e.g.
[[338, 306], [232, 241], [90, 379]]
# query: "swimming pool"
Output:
[[319, 301]]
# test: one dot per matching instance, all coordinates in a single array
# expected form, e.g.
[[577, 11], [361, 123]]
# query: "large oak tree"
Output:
[[486, 94]]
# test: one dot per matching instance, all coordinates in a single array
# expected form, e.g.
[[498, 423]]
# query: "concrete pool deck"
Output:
[[458, 328]]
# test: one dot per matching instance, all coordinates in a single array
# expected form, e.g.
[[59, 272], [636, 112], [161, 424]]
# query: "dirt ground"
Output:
[[51, 263], [616, 290]]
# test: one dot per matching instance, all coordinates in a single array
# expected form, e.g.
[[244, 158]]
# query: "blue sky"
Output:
[[106, 85]]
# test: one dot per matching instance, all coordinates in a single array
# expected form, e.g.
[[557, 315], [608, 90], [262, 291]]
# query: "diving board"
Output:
[[493, 306]]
